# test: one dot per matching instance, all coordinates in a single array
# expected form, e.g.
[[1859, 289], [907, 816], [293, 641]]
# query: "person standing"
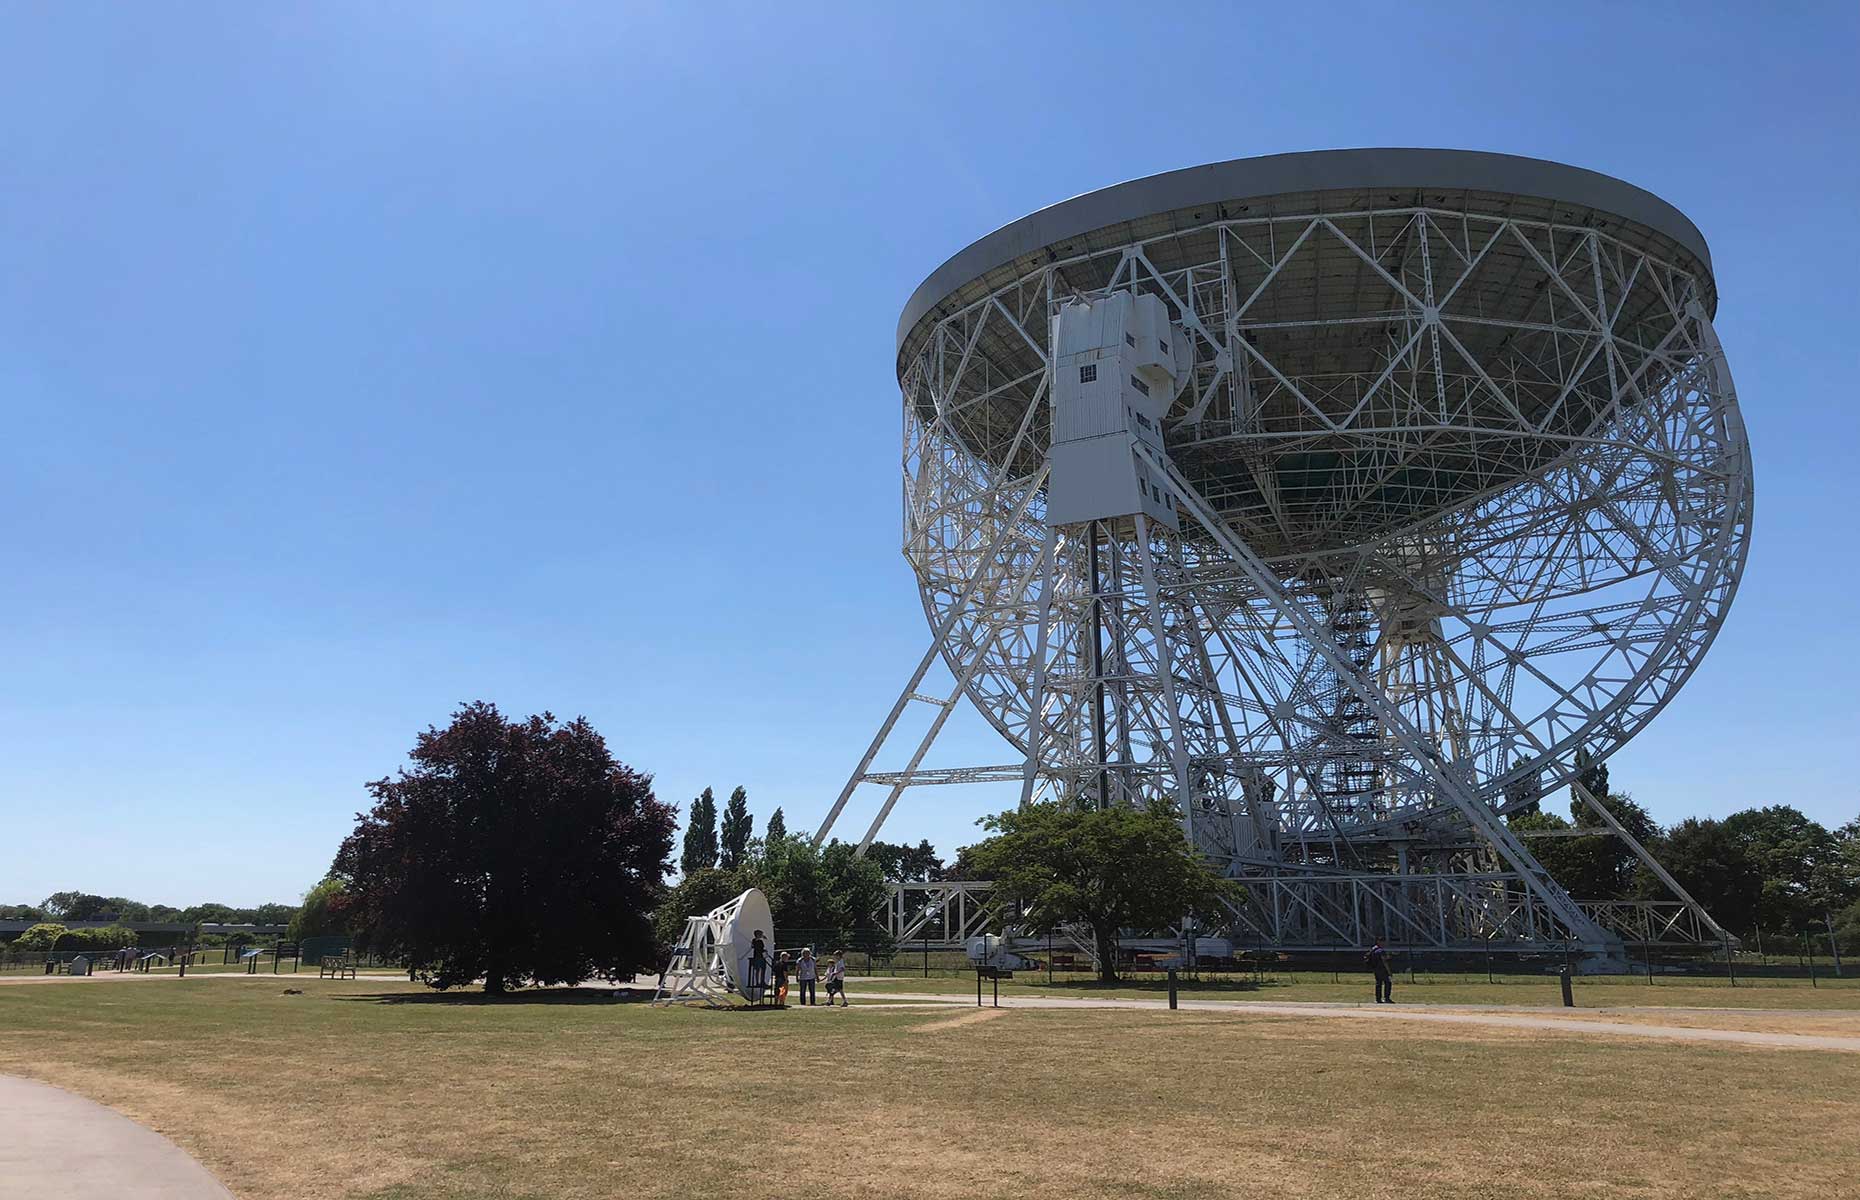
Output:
[[758, 966], [804, 972], [781, 979], [836, 980], [1378, 960]]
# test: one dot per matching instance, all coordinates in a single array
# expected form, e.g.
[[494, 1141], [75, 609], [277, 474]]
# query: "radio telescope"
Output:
[[1342, 499]]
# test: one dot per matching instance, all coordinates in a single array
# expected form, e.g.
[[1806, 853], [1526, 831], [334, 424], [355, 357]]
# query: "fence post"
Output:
[[1730, 964], [1808, 948], [1171, 989], [978, 985]]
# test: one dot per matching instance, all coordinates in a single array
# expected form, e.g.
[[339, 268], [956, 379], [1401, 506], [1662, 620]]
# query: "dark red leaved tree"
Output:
[[510, 851]]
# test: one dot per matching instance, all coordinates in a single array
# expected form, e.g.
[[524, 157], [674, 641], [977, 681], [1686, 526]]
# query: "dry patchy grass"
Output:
[[1591, 992], [368, 1089], [1819, 1023]]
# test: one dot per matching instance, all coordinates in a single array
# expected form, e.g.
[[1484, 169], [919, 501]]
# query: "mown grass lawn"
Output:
[[381, 1090], [1591, 991]]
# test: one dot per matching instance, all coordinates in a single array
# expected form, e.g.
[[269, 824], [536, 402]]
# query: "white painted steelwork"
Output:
[[1462, 490], [714, 956]]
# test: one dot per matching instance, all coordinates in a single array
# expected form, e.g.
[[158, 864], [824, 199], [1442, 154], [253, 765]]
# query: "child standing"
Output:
[[836, 980]]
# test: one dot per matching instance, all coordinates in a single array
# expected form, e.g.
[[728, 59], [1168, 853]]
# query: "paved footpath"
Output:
[[58, 1146], [1366, 1012]]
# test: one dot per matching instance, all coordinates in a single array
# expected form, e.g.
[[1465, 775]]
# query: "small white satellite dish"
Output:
[[748, 915], [714, 955]]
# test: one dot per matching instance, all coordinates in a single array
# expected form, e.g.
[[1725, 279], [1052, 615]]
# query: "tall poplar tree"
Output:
[[737, 826], [700, 845]]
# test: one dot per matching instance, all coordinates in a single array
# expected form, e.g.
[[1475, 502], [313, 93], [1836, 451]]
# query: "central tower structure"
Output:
[[1340, 500]]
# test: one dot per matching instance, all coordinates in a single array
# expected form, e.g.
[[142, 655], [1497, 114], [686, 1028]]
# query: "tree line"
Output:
[[522, 851], [84, 906], [1770, 871], [52, 919]]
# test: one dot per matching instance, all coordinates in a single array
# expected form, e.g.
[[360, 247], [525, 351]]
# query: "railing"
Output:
[[1447, 913]]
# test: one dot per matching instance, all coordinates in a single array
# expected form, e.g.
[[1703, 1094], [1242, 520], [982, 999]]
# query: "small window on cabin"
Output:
[[1139, 385], [1130, 341], [1164, 344], [1088, 372]]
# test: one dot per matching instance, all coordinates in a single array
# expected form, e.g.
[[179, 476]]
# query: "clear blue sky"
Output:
[[357, 363]]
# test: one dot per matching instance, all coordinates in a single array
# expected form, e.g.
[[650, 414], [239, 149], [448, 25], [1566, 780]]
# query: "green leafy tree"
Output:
[[1524, 795], [1597, 867], [21, 912], [736, 828], [1715, 868], [510, 851], [1801, 864], [327, 909], [1847, 929], [42, 936], [700, 846], [907, 864], [828, 894], [1592, 774], [856, 892], [777, 827], [1847, 859], [695, 895], [96, 938], [1110, 869], [80, 906]]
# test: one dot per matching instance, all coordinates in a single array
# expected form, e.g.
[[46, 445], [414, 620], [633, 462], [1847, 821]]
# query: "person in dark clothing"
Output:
[[758, 965], [1378, 960]]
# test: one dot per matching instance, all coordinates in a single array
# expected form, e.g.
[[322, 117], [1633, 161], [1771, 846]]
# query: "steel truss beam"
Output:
[[1534, 518]]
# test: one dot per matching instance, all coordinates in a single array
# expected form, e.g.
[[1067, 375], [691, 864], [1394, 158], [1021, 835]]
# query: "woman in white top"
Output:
[[804, 975]]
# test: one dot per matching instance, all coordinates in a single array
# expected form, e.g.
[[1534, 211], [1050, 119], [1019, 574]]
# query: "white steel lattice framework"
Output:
[[1463, 491]]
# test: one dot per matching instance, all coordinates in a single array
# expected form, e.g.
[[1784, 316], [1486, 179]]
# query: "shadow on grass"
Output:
[[524, 996]]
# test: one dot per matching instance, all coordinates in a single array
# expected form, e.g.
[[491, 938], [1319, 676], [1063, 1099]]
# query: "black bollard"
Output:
[[1569, 998], [1172, 989], [978, 987]]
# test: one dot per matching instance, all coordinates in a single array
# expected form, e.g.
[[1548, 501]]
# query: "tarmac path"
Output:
[[60, 1146]]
